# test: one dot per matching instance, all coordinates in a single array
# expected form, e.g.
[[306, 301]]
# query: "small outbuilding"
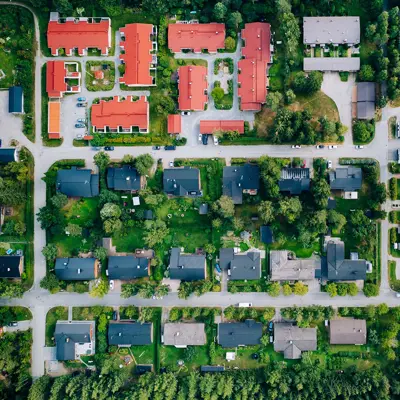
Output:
[[15, 100]]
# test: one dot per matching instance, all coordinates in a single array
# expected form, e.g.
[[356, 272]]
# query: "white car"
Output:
[[171, 163], [216, 140], [329, 164], [200, 137], [111, 285], [331, 147], [359, 147], [185, 113], [296, 146]]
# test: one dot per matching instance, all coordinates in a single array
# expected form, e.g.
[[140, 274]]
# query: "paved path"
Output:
[[22, 326]]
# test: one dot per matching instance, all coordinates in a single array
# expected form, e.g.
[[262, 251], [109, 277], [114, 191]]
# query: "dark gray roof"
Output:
[[366, 91], [182, 181], [233, 334], [127, 267], [243, 266], [7, 155], [9, 266], [203, 209], [334, 64], [67, 335], [365, 110], [348, 331], [129, 333], [76, 182], [294, 180], [266, 234], [186, 267], [15, 99], [348, 179], [75, 269], [238, 178], [212, 368], [124, 178], [148, 214]]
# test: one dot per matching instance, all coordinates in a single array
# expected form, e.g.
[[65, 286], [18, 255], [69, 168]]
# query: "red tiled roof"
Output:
[[257, 38], [121, 113], [80, 34], [192, 84], [208, 127], [253, 82], [137, 57], [99, 74], [196, 37], [54, 119], [174, 123], [55, 78]]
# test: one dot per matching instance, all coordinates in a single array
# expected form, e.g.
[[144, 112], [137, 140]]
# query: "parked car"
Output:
[[13, 324], [111, 285], [398, 130], [79, 125], [359, 147], [185, 113], [397, 295], [270, 326], [245, 305], [156, 147], [329, 164], [218, 269], [115, 316], [320, 146], [395, 205], [171, 163], [109, 148], [96, 148], [200, 137], [79, 136], [81, 105], [216, 140], [331, 147], [0, 142], [81, 98], [82, 120], [170, 148], [296, 146], [204, 139]]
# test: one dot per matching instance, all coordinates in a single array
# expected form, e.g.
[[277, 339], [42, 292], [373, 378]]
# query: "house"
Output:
[[187, 267], [174, 124], [126, 334], [212, 368], [331, 64], [76, 182], [8, 155], [203, 209], [284, 266], [237, 180], [211, 126], [257, 41], [15, 100], [182, 181], [74, 339], [77, 269], [192, 87], [78, 33], [125, 178], [266, 234], [58, 78], [121, 115], [348, 179], [294, 180], [181, 335], [54, 119], [292, 340], [190, 35], [366, 100], [240, 266], [337, 268], [234, 334], [139, 54], [128, 267], [348, 331], [11, 267]]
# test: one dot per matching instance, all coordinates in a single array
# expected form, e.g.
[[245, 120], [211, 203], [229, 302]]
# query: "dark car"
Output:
[[81, 105], [0, 142], [79, 125], [115, 316], [271, 326], [204, 139], [14, 324], [109, 148], [81, 99], [96, 148], [170, 148], [320, 146], [156, 147]]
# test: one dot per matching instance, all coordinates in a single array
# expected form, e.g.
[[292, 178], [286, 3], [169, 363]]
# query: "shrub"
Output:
[[393, 188]]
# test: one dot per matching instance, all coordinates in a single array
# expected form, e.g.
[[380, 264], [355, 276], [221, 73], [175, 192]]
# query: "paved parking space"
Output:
[[12, 122], [49, 354], [69, 117]]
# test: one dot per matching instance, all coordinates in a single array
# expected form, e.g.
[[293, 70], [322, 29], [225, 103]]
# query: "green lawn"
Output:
[[129, 241], [143, 354], [7, 65], [53, 315], [243, 360], [193, 357], [107, 83], [394, 282]]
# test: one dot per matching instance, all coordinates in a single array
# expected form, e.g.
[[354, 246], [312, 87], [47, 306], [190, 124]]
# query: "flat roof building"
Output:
[[257, 41], [210, 126], [332, 64], [15, 100], [366, 100], [348, 331], [192, 87], [54, 119], [174, 124]]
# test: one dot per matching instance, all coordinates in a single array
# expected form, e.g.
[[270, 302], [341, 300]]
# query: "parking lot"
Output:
[[70, 113], [11, 122]]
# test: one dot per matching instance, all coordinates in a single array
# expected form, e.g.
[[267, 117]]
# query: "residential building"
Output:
[[74, 339], [240, 266], [211, 126], [331, 64], [61, 78], [15, 100], [182, 181], [126, 334], [8, 155], [257, 41], [190, 35], [78, 34], [125, 178], [128, 267], [54, 119], [212, 368], [181, 334], [11, 267], [77, 269], [76, 182], [121, 115], [139, 54], [284, 266], [174, 124], [234, 334], [241, 179], [348, 331], [294, 180], [187, 267], [192, 87], [347, 179], [366, 100], [292, 340]]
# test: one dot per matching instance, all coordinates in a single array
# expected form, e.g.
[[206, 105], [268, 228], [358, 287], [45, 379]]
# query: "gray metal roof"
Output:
[[182, 181], [366, 91], [186, 267], [75, 269], [266, 234], [294, 180], [76, 182], [130, 333], [203, 209], [335, 30], [233, 334], [348, 331], [15, 99], [184, 334], [366, 110], [243, 266], [9, 266], [127, 267], [8, 155], [334, 64], [124, 178], [212, 368], [292, 340], [348, 179]]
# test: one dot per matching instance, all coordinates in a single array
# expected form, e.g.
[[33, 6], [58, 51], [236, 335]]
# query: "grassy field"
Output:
[[193, 357], [53, 315], [394, 282], [7, 62]]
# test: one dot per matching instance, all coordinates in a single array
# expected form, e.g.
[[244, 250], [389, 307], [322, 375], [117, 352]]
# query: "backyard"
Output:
[[100, 75]]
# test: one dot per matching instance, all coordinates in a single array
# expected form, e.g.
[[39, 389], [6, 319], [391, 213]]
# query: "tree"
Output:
[[19, 228], [287, 289], [59, 200], [107, 196], [50, 252], [155, 232], [73, 230], [131, 312], [353, 289], [110, 210], [19, 169], [290, 208], [219, 12], [224, 206], [321, 191], [217, 93], [112, 225], [290, 96], [216, 223], [143, 163], [40, 389], [300, 289], [51, 283], [48, 217], [367, 73], [266, 211], [274, 289], [210, 248], [274, 100], [371, 290], [146, 314], [230, 43], [363, 131], [235, 20], [331, 289], [128, 159], [290, 33], [63, 6], [100, 253], [337, 220], [100, 289], [382, 309], [238, 224], [101, 159]]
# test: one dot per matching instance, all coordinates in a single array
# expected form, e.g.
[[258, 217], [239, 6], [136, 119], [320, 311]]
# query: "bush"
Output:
[[364, 131], [393, 188]]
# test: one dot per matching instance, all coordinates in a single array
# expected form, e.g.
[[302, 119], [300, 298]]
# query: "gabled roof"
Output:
[[210, 126], [334, 64], [365, 110], [8, 155], [76, 182], [184, 334], [75, 269], [243, 266], [348, 179], [137, 56], [257, 41], [366, 91], [55, 78], [174, 124], [196, 36], [129, 333], [127, 267], [182, 181], [15, 99], [9, 266], [347, 331], [294, 180], [292, 340], [187, 267], [192, 86], [238, 178], [233, 334], [124, 178]]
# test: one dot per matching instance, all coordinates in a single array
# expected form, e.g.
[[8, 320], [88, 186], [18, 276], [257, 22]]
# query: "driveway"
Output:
[[22, 326], [10, 122]]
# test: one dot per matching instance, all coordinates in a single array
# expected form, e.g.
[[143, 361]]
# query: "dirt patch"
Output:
[[264, 120]]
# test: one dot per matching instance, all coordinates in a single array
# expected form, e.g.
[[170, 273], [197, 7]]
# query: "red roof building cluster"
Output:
[[257, 41], [196, 37], [137, 58], [80, 34], [192, 87], [121, 115], [211, 126], [55, 78], [174, 124]]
